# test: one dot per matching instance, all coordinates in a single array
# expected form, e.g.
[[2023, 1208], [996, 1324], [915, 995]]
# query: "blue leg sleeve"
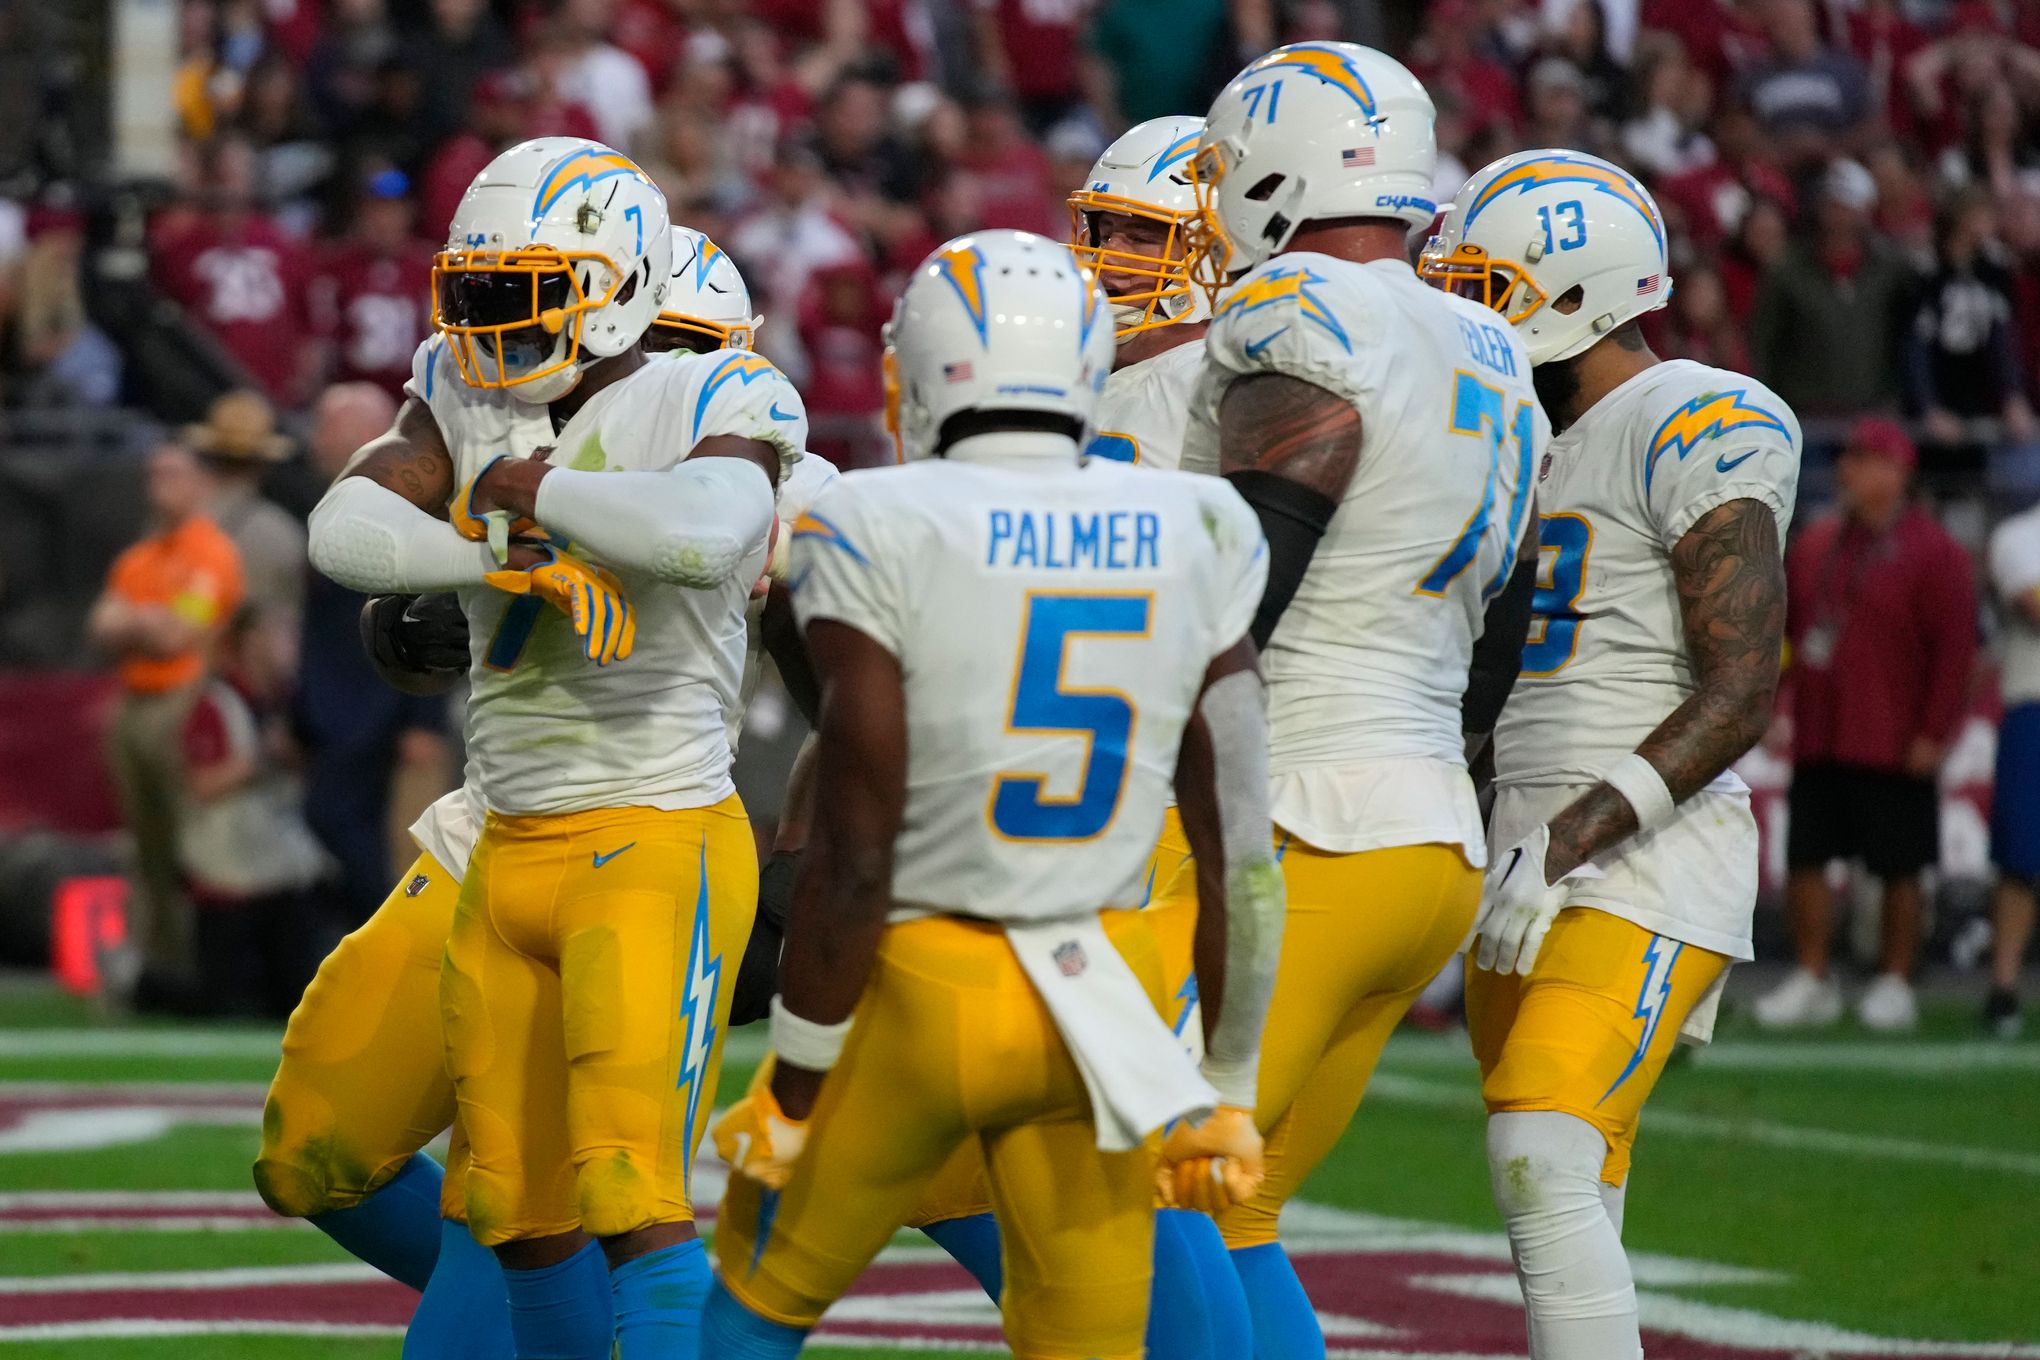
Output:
[[974, 1242], [1179, 1324], [1285, 1325], [561, 1312], [730, 1331], [396, 1229], [659, 1297], [465, 1314]]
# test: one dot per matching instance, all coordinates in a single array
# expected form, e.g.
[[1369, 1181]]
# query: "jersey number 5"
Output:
[[1021, 808], [1565, 541], [1477, 409]]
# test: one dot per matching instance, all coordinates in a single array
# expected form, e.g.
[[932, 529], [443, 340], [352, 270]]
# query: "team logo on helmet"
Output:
[[586, 167], [1328, 65], [1175, 153], [705, 261], [963, 268], [1710, 414], [1533, 174]]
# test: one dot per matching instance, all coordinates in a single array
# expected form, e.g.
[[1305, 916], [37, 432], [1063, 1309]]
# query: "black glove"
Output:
[[758, 975], [419, 643]]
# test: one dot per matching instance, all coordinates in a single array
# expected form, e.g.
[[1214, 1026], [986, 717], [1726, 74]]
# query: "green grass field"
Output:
[[1839, 1197]]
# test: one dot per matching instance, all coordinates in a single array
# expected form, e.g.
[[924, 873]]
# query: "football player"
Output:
[[1386, 435], [1624, 865], [962, 965], [584, 990], [1127, 223]]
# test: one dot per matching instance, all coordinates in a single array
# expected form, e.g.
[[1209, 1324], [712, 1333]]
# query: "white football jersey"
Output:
[[1053, 626], [1144, 407], [1368, 664], [796, 494], [548, 731], [1606, 660]]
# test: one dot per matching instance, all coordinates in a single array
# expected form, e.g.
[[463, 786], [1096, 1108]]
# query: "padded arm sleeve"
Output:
[[368, 538], [1255, 900], [1498, 654], [1293, 518], [692, 525]]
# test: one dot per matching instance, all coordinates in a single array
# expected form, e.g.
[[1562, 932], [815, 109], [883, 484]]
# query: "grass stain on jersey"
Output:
[[591, 457]]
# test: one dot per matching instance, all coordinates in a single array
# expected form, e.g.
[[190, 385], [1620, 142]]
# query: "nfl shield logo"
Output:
[[1544, 470], [416, 886], [1069, 957]]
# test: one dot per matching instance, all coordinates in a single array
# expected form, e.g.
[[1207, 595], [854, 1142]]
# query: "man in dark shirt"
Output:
[[1814, 101], [1882, 630]]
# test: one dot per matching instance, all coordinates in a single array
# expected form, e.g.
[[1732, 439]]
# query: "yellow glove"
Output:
[[591, 598], [756, 1138], [1211, 1166], [493, 527]]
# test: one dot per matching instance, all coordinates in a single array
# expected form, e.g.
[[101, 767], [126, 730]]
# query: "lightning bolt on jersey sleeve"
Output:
[[739, 392], [1367, 665], [837, 575], [1729, 441]]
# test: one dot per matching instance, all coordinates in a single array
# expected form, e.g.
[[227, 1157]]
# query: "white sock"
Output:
[[1546, 1171]]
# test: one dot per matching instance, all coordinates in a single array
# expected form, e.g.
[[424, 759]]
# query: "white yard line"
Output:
[[1891, 1057], [1681, 1124], [140, 1043], [236, 1277], [137, 1092], [132, 1329]]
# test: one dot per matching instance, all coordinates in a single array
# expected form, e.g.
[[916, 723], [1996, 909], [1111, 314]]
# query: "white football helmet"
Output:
[[1309, 132], [1535, 227], [1144, 175], [996, 321], [708, 303], [558, 257]]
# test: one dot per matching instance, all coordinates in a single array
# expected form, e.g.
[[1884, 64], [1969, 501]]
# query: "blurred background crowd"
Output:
[[216, 227]]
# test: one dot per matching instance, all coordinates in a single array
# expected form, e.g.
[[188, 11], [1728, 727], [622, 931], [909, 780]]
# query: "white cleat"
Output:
[[1887, 1005], [1801, 1001]]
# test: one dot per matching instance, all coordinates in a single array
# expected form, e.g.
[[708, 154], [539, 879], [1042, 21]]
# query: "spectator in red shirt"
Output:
[[373, 293], [1448, 63], [840, 321], [1710, 201], [1032, 48], [1882, 627], [1011, 176], [239, 275]]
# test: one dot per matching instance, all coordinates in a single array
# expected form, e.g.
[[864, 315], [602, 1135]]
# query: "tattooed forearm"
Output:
[[1731, 582], [1269, 422], [410, 459]]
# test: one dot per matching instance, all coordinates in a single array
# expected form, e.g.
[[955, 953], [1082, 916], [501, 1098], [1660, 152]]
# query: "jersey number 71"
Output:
[[1021, 809]]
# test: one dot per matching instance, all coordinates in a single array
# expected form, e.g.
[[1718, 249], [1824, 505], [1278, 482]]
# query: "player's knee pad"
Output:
[[1545, 1168]]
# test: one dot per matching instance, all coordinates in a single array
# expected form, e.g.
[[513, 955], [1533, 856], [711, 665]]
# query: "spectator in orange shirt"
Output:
[[165, 601]]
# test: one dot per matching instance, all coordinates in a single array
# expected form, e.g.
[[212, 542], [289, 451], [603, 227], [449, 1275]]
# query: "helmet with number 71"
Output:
[[996, 329], [1309, 132], [558, 257], [1564, 245]]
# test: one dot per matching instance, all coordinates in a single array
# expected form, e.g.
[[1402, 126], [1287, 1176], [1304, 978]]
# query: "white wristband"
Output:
[[1638, 780], [804, 1043]]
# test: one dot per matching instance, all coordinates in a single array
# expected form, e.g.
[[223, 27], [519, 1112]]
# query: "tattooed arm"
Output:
[[1731, 582], [410, 458], [1289, 448], [381, 528]]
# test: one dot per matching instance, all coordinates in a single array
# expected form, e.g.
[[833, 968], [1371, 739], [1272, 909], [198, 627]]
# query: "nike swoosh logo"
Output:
[[1254, 347], [1725, 464], [601, 860], [778, 414], [1515, 856]]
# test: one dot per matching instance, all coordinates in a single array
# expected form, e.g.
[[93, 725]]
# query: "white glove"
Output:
[[1517, 906]]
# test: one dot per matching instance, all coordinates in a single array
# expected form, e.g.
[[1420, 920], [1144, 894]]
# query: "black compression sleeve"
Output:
[[1498, 655], [758, 974], [1293, 517]]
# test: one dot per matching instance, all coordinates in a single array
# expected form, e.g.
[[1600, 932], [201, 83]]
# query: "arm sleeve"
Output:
[[368, 538], [1498, 651], [1234, 713], [840, 572], [691, 525]]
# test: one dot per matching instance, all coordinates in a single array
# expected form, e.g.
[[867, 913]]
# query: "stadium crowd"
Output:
[[1853, 191]]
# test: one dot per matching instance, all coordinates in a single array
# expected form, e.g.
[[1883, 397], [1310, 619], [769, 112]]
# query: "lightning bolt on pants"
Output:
[[584, 997], [1589, 1031]]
